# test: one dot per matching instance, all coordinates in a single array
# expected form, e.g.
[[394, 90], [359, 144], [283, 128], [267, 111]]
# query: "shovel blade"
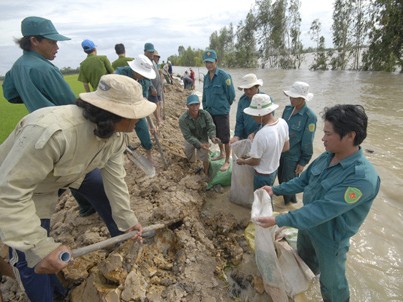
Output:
[[142, 162]]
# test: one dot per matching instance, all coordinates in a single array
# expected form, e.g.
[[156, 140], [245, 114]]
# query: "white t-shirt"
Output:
[[268, 144]]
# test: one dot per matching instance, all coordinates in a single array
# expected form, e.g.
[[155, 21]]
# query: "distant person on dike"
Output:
[[246, 126], [218, 96], [187, 81], [122, 60], [269, 142], [141, 70], [60, 145], [301, 122], [338, 190], [166, 73], [93, 67], [192, 76], [36, 82], [197, 127], [155, 94]]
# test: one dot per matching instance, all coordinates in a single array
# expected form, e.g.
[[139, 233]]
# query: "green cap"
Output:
[[209, 56], [37, 26]]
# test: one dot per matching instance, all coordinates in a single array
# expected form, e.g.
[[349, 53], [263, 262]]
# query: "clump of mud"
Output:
[[202, 256]]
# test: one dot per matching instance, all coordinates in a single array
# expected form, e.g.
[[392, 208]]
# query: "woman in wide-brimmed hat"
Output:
[[61, 145]]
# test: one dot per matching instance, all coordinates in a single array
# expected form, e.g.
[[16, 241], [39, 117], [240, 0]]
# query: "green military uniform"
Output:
[[93, 68], [336, 201], [302, 126], [121, 62], [37, 83]]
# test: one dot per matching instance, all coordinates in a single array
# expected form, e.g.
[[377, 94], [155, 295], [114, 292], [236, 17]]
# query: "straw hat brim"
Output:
[[137, 110]]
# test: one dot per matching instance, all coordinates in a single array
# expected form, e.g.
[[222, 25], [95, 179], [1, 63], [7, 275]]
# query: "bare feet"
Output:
[[225, 166]]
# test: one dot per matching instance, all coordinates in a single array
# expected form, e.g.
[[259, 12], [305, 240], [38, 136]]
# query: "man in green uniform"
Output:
[[33, 79], [197, 127], [301, 122], [93, 67], [339, 188], [122, 60], [218, 96]]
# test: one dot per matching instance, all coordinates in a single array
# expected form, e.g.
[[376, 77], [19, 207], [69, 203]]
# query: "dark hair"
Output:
[[120, 49], [104, 120], [25, 42], [346, 119]]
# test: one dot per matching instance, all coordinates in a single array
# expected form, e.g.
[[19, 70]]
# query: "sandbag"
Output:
[[241, 191], [218, 177], [284, 273]]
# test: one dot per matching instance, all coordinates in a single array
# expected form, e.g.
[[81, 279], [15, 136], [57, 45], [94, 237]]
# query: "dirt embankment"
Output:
[[202, 257]]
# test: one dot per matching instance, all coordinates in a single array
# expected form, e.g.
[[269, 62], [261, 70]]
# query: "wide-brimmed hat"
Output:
[[192, 99], [88, 45], [37, 26], [149, 47], [260, 105], [249, 81], [209, 56], [120, 95], [299, 90], [143, 65]]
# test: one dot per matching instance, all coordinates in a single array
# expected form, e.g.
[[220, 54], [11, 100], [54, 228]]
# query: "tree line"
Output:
[[366, 35]]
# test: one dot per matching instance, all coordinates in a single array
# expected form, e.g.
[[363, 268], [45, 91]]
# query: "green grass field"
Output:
[[10, 114]]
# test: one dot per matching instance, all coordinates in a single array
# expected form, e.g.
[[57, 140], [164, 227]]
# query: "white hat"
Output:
[[299, 90], [143, 65], [120, 95], [249, 81], [260, 105]]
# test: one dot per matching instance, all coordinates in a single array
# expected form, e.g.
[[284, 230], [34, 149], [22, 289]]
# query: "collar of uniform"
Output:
[[348, 161]]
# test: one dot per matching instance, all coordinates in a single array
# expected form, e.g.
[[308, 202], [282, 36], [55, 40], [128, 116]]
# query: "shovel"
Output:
[[147, 232], [142, 162]]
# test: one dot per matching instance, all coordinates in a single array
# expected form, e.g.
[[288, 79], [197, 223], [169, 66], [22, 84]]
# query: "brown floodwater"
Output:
[[375, 259]]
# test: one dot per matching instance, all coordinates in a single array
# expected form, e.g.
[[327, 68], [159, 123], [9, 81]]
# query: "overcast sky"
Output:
[[166, 24]]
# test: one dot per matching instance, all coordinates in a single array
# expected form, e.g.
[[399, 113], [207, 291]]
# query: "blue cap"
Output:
[[149, 47], [192, 99], [37, 26], [209, 56], [88, 45]]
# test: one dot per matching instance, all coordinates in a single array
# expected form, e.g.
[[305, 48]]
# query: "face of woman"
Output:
[[125, 125]]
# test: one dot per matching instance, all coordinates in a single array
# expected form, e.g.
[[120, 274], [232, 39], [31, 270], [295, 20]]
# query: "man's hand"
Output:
[[205, 146], [139, 230], [266, 222], [216, 140], [52, 264], [233, 140], [240, 161], [268, 189], [299, 169], [251, 136]]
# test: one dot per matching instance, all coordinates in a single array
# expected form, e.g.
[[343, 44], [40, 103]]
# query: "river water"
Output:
[[375, 259]]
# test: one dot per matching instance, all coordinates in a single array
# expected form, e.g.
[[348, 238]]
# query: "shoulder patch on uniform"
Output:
[[228, 82], [311, 127], [352, 195]]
